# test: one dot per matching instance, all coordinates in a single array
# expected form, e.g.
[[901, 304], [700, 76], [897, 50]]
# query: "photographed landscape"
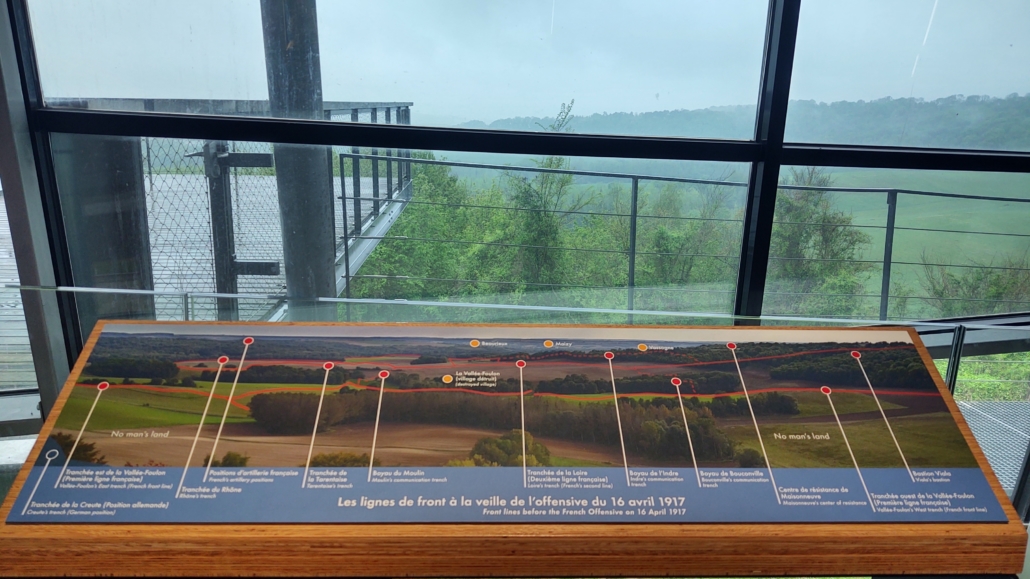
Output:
[[448, 403]]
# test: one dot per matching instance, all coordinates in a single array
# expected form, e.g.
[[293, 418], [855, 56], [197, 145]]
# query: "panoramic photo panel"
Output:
[[364, 423]]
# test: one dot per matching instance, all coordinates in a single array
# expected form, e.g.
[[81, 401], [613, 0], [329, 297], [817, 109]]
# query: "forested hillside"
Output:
[[962, 122]]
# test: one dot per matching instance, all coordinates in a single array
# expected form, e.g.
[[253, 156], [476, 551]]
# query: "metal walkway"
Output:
[[1003, 431], [16, 371]]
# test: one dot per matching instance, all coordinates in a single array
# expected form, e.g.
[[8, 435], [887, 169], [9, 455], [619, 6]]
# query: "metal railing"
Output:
[[887, 263]]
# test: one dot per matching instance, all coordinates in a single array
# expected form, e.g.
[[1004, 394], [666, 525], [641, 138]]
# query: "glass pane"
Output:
[[183, 219], [959, 244], [16, 369], [657, 67], [921, 73]]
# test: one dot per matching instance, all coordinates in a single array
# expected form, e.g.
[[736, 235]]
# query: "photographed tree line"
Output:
[[651, 427], [281, 374], [902, 369], [505, 450]]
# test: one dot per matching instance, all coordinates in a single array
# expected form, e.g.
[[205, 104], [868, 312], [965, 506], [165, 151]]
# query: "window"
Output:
[[959, 245], [917, 74], [640, 68]]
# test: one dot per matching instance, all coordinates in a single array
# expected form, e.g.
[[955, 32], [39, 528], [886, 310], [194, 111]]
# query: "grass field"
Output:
[[930, 440], [121, 408]]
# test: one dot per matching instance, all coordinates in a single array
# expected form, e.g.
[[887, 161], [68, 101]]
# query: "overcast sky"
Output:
[[484, 60]]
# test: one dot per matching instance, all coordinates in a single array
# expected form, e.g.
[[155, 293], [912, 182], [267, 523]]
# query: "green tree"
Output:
[[84, 452], [985, 288], [814, 250], [506, 451], [544, 200], [750, 458], [229, 459]]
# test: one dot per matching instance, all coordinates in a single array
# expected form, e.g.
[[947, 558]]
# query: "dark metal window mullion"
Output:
[[777, 65], [52, 320]]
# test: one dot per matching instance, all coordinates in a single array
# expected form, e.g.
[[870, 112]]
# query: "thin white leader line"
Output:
[[375, 433], [203, 418], [1013, 429], [522, 404], [853, 461], [883, 414], [618, 419], [755, 421], [100, 390], [318, 413], [50, 455], [228, 403], [686, 427]]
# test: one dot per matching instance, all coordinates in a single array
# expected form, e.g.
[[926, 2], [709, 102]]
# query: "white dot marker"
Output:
[[826, 390], [100, 390], [383, 375], [49, 456], [222, 361], [314, 429], [679, 396]]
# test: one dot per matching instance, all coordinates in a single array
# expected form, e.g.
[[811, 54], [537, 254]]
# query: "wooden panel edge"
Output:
[[51, 420]]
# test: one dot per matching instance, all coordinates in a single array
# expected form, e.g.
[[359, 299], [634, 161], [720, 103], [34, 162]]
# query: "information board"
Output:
[[226, 423]]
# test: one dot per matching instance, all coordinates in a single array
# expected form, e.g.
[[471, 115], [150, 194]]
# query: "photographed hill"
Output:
[[974, 122]]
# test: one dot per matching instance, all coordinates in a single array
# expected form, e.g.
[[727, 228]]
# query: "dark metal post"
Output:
[[389, 164], [780, 35], [294, 76], [632, 282], [957, 341], [375, 174], [346, 235], [356, 179], [405, 118], [888, 252], [222, 235], [150, 165]]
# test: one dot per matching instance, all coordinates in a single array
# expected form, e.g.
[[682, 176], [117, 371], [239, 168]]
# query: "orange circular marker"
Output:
[[447, 378], [328, 365], [856, 354], [731, 346], [825, 390], [548, 344], [609, 355], [384, 374], [248, 340], [676, 381], [223, 359], [103, 386], [474, 343], [642, 347], [520, 363]]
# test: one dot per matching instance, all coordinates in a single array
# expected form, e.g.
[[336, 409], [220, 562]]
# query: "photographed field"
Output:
[[453, 403]]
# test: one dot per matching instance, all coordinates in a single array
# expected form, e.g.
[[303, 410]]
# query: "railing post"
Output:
[[389, 164], [888, 252], [632, 281], [375, 173], [150, 165], [346, 235], [405, 117], [222, 236], [356, 179], [957, 341]]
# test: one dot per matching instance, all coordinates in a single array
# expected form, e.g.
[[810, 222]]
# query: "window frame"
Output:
[[767, 152]]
